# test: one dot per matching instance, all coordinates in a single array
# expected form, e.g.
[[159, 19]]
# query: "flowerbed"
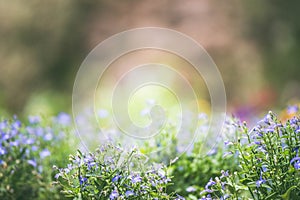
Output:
[[258, 163]]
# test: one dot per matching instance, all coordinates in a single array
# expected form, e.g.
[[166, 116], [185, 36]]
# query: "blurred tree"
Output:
[[275, 27], [42, 46]]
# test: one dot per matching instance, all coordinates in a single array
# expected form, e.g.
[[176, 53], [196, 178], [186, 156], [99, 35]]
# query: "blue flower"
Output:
[[29, 141], [264, 168], [292, 109], [294, 121], [208, 197], [103, 113], [224, 173], [63, 119], [136, 179], [129, 193], [266, 120], [2, 150], [190, 189], [269, 130], [228, 143], [14, 144], [32, 163], [297, 165], [179, 197], [226, 196], [34, 119], [114, 195], [296, 162], [209, 184], [44, 153], [48, 136], [3, 125], [5, 136], [116, 178], [34, 148], [82, 180], [16, 125], [260, 181]]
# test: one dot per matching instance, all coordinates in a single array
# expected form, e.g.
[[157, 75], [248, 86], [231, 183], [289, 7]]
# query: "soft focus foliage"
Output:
[[268, 162], [27, 153], [113, 173], [260, 163]]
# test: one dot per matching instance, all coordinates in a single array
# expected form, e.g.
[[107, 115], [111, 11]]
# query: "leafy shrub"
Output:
[[269, 163], [191, 172], [195, 168], [27, 153], [113, 173]]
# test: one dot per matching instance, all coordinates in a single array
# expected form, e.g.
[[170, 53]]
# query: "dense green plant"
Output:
[[194, 168], [113, 173], [27, 153], [191, 172], [269, 163]]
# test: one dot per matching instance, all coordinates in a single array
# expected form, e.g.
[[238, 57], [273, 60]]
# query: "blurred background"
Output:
[[256, 46]]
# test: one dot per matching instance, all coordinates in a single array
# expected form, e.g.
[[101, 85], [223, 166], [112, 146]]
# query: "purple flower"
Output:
[[116, 178], [190, 189], [90, 161], [297, 165], [179, 197], [208, 197], [82, 180], [48, 137], [57, 175], [29, 141], [16, 125], [265, 121], [296, 162], [269, 130], [292, 109], [32, 163], [103, 113], [63, 119], [68, 169], [3, 125], [34, 148], [44, 153], [5, 136], [226, 196], [260, 181], [136, 179], [114, 195], [2, 150], [34, 119], [129, 193], [209, 184], [294, 121], [264, 168], [224, 173], [228, 143], [14, 144]]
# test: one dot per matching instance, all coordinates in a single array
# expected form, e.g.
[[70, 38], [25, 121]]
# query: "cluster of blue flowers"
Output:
[[112, 173], [268, 158], [16, 137], [24, 149]]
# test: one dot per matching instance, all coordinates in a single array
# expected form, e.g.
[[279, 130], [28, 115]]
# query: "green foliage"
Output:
[[27, 153], [191, 172], [269, 162], [113, 173]]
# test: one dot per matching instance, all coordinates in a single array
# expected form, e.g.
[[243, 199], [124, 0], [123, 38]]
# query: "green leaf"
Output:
[[286, 195]]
